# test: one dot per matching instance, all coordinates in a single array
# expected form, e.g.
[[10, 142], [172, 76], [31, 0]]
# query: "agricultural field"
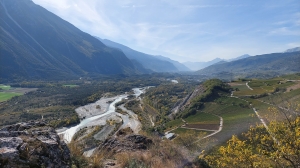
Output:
[[71, 85], [7, 92], [237, 115], [173, 124], [4, 87], [202, 118], [197, 133], [7, 95], [241, 87], [283, 99], [261, 87]]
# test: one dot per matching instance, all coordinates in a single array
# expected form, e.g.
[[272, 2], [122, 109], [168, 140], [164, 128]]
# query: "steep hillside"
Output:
[[148, 61], [266, 65], [37, 44]]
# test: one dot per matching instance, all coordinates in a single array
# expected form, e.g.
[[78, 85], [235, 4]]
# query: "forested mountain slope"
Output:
[[36, 44]]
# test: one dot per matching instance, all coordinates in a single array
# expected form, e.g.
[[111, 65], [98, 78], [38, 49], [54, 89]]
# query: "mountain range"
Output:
[[200, 65], [267, 65]]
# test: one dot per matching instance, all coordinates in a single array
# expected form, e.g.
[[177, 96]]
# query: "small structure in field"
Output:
[[170, 136]]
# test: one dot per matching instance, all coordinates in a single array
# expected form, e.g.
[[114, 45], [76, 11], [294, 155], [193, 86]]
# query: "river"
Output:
[[70, 132]]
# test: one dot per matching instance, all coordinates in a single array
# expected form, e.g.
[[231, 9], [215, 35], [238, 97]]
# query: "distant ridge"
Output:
[[266, 65], [296, 49], [200, 65], [238, 58], [148, 61]]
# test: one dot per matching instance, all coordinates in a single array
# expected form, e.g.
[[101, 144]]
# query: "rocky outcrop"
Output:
[[131, 142], [32, 144]]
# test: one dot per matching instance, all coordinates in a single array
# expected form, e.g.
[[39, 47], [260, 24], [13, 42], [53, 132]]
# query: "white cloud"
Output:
[[191, 29], [283, 31]]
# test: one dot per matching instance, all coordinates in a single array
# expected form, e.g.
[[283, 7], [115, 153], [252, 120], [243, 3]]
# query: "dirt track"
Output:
[[20, 90], [297, 86]]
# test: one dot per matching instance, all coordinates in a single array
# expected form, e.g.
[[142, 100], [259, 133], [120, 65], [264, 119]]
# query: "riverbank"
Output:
[[98, 113]]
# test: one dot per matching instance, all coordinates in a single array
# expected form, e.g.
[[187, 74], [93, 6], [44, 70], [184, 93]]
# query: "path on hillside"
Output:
[[199, 129], [215, 131], [248, 85], [151, 120], [259, 117], [282, 108], [265, 125]]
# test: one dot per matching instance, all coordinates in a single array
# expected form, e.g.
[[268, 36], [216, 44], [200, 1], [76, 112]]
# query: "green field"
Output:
[[230, 110], [260, 87], [237, 115], [241, 87], [70, 85], [173, 124], [283, 98], [202, 118], [198, 133], [4, 87], [248, 92], [6, 96]]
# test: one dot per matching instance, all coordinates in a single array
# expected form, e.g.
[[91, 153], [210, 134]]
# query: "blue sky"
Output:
[[188, 30]]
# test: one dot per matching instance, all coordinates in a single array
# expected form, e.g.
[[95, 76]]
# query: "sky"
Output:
[[187, 30]]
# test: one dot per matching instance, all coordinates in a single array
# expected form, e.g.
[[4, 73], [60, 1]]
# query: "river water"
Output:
[[70, 132]]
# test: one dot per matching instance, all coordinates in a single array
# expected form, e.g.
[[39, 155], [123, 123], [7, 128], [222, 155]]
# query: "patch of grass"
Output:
[[174, 123], [197, 133], [202, 118], [237, 118], [241, 87], [6, 96], [71, 86], [255, 91], [279, 98], [4, 87]]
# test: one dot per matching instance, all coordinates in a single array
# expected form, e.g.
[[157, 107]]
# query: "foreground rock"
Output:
[[32, 144], [131, 142]]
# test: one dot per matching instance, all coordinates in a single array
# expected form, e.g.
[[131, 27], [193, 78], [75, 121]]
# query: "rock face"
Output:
[[32, 144], [127, 143]]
